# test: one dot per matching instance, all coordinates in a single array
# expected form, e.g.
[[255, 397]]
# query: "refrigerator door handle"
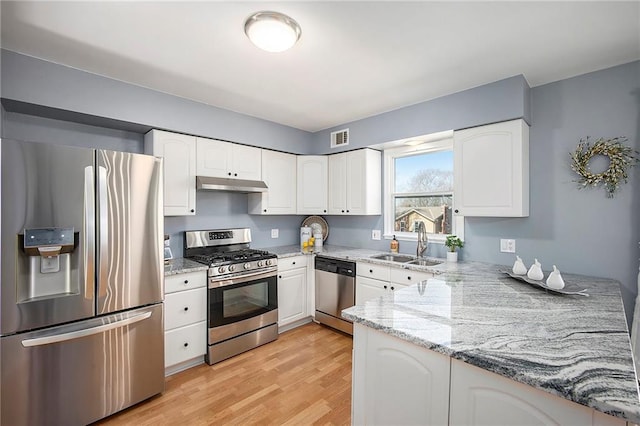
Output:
[[63, 337], [89, 232], [103, 243]]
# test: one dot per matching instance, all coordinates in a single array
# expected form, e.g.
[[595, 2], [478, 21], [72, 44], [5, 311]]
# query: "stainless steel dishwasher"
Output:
[[335, 291]]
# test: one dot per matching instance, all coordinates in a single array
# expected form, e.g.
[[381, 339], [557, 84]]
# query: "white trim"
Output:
[[397, 152]]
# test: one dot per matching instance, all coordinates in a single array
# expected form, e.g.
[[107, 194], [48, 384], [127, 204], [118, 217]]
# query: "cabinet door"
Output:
[[491, 166], [356, 182], [279, 173], [396, 382], [292, 296], [479, 397], [369, 289], [179, 154], [337, 193], [246, 162], [214, 158], [312, 184]]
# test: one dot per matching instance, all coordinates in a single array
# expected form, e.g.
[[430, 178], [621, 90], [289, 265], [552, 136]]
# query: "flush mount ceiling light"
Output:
[[272, 31]]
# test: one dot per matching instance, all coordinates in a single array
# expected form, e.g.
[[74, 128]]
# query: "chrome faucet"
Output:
[[423, 240]]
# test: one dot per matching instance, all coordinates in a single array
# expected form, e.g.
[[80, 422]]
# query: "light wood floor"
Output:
[[302, 378]]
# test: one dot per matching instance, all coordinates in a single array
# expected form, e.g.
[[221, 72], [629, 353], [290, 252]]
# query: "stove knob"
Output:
[[260, 263], [221, 269], [269, 262], [247, 265], [232, 268]]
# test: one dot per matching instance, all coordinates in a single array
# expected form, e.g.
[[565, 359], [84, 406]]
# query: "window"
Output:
[[419, 188]]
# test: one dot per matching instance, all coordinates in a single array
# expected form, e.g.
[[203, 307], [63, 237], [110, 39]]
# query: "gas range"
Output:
[[227, 252]]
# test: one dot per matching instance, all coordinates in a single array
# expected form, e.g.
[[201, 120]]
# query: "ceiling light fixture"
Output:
[[272, 31]]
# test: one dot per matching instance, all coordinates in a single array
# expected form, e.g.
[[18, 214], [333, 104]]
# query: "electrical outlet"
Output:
[[275, 233], [507, 246], [375, 234]]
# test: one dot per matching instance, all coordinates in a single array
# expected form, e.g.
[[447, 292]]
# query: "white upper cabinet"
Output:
[[228, 160], [179, 154], [312, 184], [279, 173], [491, 166], [355, 183]]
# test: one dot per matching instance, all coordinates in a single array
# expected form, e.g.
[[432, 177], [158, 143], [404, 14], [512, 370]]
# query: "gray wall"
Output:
[[499, 101], [38, 82], [579, 231]]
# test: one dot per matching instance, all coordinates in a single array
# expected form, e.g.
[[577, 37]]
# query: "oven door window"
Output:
[[236, 302]]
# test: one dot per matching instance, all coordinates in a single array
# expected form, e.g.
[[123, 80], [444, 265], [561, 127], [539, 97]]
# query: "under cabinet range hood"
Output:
[[232, 185]]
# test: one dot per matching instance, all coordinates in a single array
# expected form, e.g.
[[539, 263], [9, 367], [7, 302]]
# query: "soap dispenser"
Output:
[[395, 245]]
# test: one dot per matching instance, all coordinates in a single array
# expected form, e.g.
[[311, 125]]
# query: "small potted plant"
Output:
[[452, 242]]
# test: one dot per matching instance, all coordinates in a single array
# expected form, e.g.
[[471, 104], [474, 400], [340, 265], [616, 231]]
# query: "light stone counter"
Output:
[[575, 347], [181, 266]]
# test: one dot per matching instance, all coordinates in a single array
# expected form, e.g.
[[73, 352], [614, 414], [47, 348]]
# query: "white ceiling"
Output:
[[354, 59]]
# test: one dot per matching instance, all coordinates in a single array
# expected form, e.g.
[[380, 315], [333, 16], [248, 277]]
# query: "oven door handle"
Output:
[[252, 276]]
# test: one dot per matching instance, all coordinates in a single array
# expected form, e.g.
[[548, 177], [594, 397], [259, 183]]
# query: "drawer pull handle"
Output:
[[186, 308], [409, 277], [279, 276], [186, 344], [186, 281], [293, 263], [385, 287], [371, 271], [392, 288]]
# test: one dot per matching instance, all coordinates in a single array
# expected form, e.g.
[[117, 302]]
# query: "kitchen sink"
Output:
[[425, 262], [394, 258]]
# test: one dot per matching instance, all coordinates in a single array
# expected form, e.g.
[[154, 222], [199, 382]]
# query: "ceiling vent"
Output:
[[340, 138]]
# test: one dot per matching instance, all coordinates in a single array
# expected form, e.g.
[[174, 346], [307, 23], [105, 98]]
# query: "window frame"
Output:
[[457, 225]]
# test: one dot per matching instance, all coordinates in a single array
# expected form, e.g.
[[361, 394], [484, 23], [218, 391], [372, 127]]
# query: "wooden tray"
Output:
[[569, 288]]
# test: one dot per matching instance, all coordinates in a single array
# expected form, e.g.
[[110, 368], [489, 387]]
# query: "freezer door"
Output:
[[46, 186], [130, 231], [79, 373]]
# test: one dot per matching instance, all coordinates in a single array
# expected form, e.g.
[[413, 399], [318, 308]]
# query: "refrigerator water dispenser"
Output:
[[48, 254]]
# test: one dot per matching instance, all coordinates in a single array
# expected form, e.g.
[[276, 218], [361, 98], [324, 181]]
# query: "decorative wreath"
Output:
[[621, 157]]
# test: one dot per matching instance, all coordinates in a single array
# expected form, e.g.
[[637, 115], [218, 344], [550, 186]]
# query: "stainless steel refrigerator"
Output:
[[81, 314]]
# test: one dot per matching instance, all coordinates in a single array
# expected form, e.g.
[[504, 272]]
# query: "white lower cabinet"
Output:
[[396, 382], [376, 280], [184, 344], [368, 289], [185, 320], [406, 277], [479, 397], [293, 305]]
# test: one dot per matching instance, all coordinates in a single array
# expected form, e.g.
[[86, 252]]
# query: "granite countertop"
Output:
[[575, 347], [181, 266], [353, 254]]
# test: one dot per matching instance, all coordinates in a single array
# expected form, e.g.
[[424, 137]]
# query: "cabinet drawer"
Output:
[[185, 343], [407, 277], [185, 307], [287, 263], [186, 281], [378, 272]]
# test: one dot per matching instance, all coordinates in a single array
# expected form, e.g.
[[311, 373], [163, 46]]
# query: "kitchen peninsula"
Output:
[[473, 346]]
